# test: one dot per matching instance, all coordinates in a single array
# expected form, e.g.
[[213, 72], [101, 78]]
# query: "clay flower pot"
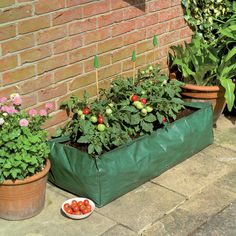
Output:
[[212, 94], [22, 199]]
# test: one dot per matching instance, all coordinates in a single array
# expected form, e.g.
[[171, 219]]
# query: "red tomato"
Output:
[[134, 98], [75, 208], [143, 100], [89, 207], [78, 213], [66, 206], [74, 202], [100, 120], [70, 211], [82, 207], [86, 202], [80, 203], [164, 120], [86, 111], [85, 211]]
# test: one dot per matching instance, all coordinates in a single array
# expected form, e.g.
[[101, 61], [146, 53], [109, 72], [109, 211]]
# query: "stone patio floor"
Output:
[[196, 197]]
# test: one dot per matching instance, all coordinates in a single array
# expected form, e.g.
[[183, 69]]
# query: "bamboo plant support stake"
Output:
[[154, 44], [96, 66], [133, 59]]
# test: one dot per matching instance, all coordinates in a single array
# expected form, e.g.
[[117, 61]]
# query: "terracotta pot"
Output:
[[22, 199], [212, 94]]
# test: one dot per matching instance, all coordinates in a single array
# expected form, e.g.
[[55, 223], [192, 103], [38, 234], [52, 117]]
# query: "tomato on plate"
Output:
[[86, 202]]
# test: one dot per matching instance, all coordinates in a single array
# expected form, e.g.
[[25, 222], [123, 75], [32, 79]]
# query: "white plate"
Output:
[[82, 216]]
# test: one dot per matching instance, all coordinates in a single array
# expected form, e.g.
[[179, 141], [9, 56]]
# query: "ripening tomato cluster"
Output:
[[141, 104], [78, 207]]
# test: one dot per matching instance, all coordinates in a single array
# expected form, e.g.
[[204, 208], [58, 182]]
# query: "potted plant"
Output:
[[206, 76], [23, 159], [133, 132]]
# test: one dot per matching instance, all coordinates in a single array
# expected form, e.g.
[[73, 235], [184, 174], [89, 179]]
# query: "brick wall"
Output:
[[47, 47]]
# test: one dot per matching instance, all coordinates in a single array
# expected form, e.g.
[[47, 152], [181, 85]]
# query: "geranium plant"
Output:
[[23, 142], [131, 108]]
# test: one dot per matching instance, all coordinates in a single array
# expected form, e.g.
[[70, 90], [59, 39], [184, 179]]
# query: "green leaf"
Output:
[[90, 149], [95, 62], [83, 139], [229, 92], [148, 127], [135, 119], [133, 59], [150, 118]]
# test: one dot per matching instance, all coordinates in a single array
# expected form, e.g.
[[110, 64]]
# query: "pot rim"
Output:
[[214, 88], [32, 178]]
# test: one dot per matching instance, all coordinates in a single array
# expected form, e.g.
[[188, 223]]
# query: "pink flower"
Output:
[[43, 112], [33, 112], [11, 110], [4, 108], [17, 100], [49, 106], [3, 99], [24, 122], [13, 95]]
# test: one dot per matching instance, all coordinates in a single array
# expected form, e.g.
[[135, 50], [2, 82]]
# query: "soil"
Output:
[[182, 113]]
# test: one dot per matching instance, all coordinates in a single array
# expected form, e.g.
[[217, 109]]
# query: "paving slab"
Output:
[[119, 230], [51, 221], [221, 224], [142, 206], [194, 174], [193, 213]]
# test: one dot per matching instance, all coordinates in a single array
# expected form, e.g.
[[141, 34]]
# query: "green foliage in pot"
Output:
[[23, 143], [207, 16], [197, 62], [129, 109]]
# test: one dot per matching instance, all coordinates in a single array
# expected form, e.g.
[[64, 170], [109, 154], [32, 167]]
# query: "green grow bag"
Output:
[[121, 170]]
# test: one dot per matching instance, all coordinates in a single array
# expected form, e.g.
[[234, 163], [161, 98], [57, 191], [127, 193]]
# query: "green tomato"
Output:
[[82, 117], [94, 119], [143, 92], [142, 72], [150, 67], [147, 71], [108, 111], [149, 109], [111, 104], [135, 103], [79, 112], [139, 105], [144, 112], [101, 127]]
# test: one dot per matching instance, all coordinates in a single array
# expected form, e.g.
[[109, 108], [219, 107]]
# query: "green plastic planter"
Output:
[[121, 170]]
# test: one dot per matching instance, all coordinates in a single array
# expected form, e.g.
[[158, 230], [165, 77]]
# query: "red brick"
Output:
[[104, 60], [158, 29], [123, 27], [132, 12], [36, 84], [185, 32], [33, 24], [67, 44], [51, 63], [169, 38], [44, 6], [95, 36], [18, 44], [110, 44], [19, 74], [119, 4], [35, 54], [71, 3], [134, 37], [54, 92], [177, 23], [127, 65], [51, 34], [109, 71], [15, 13], [176, 2], [147, 20], [141, 60], [82, 53], [82, 81], [7, 63], [69, 71], [169, 14], [8, 31], [67, 16], [123, 53], [56, 118], [29, 100], [82, 26], [7, 91], [111, 18], [6, 3], [150, 58], [25, 0], [159, 5], [96, 8], [145, 46]]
